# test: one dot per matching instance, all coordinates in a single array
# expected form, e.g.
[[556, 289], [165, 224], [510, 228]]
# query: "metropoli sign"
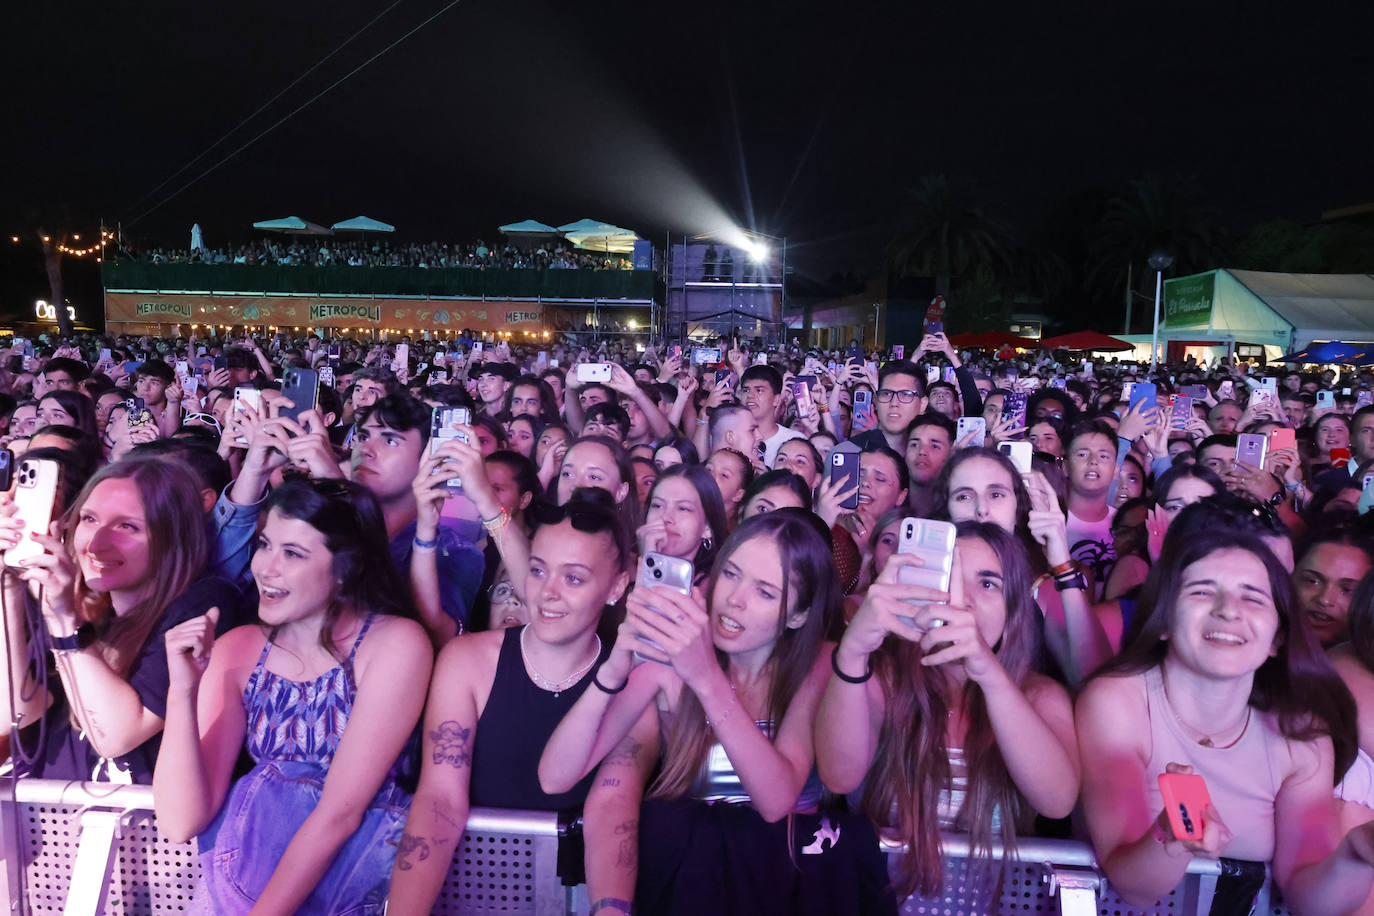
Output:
[[435, 314]]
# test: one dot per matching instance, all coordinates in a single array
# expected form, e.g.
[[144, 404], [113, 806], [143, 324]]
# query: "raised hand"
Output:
[[188, 650]]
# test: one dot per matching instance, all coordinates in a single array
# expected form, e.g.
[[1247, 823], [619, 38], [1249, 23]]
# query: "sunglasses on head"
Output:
[[587, 519]]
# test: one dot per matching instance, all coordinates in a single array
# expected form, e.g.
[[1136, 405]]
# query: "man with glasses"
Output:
[[900, 399], [761, 394]]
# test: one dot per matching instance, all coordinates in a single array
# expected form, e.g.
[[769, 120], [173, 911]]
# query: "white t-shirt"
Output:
[[1090, 545], [776, 441]]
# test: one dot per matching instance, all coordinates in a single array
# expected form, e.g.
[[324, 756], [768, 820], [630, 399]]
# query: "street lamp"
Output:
[[1159, 262]]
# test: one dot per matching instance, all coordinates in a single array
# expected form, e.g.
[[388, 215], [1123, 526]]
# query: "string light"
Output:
[[82, 252]]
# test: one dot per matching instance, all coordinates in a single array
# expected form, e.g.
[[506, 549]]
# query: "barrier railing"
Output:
[[92, 848]]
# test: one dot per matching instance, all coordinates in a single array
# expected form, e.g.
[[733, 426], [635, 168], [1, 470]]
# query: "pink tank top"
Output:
[[1243, 780]]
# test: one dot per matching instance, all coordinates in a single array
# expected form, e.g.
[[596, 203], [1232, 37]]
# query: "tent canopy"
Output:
[[1086, 340], [364, 224], [529, 227], [1330, 351], [598, 236], [1288, 311], [292, 225]]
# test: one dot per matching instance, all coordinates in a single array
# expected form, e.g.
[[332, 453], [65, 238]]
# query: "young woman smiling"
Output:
[[1222, 679], [126, 568], [326, 692], [497, 695]]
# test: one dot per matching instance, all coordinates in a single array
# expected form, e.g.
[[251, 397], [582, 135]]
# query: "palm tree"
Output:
[[1152, 214], [943, 233]]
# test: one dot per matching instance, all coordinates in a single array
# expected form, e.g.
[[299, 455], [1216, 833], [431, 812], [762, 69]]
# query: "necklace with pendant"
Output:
[[543, 683]]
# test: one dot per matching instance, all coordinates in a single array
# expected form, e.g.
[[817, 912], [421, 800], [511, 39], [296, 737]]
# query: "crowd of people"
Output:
[[750, 609], [316, 251]]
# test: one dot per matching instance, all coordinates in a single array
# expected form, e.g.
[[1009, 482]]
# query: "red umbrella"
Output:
[[991, 340], [1085, 340]]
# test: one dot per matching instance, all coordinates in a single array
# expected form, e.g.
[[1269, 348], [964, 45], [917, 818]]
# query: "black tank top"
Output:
[[512, 732]]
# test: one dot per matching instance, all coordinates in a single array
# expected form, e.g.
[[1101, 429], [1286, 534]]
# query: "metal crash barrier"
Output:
[[81, 849]]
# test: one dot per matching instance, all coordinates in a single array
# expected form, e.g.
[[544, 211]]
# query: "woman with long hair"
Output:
[[684, 516], [1220, 679], [733, 674], [936, 710], [68, 408], [125, 565], [325, 692], [981, 484]]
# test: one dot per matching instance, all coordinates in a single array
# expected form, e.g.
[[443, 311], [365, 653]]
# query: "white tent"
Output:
[[292, 225], [597, 236], [363, 224], [1286, 311]]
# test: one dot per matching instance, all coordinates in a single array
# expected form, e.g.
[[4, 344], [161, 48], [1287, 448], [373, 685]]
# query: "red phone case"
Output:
[[1185, 798]]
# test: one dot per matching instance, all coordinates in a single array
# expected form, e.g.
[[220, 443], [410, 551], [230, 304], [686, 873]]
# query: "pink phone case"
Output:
[[1185, 798]]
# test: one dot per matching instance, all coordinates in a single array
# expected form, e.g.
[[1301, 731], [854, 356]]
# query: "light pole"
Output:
[[1159, 262]]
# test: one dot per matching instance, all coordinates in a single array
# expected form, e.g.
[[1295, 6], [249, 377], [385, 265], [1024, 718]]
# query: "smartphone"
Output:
[[1270, 384], [704, 355], [844, 469], [760, 359], [402, 358], [1251, 449], [182, 369], [335, 351], [1283, 437], [442, 420], [302, 388], [932, 374], [933, 543], [801, 393], [477, 346], [1185, 798], [438, 377], [976, 425], [1226, 390], [327, 376], [1364, 399], [542, 358], [34, 492], [105, 354], [6, 469], [675, 351], [722, 375], [139, 414], [899, 351], [1340, 457], [1326, 400], [1019, 453], [863, 404], [221, 362], [1144, 391], [1181, 412], [658, 570], [1014, 407], [1196, 392], [594, 372], [244, 398], [1059, 383]]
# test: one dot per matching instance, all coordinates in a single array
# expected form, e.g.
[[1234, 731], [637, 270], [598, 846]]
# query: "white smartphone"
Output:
[[1019, 453], [35, 490], [976, 425], [442, 421], [933, 543], [402, 360], [661, 570], [244, 398], [594, 372]]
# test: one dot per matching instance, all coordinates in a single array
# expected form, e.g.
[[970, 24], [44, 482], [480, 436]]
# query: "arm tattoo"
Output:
[[627, 854], [452, 744], [625, 752], [440, 815], [610, 782], [408, 845]]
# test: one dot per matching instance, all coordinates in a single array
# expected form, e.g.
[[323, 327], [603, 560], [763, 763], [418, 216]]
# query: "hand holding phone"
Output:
[[1186, 801]]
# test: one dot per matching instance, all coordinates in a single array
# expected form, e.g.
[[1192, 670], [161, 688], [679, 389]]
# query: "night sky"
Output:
[[802, 119]]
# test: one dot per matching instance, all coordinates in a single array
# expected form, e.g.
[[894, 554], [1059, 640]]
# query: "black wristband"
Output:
[[596, 679], [1071, 580], [83, 637], [848, 679]]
